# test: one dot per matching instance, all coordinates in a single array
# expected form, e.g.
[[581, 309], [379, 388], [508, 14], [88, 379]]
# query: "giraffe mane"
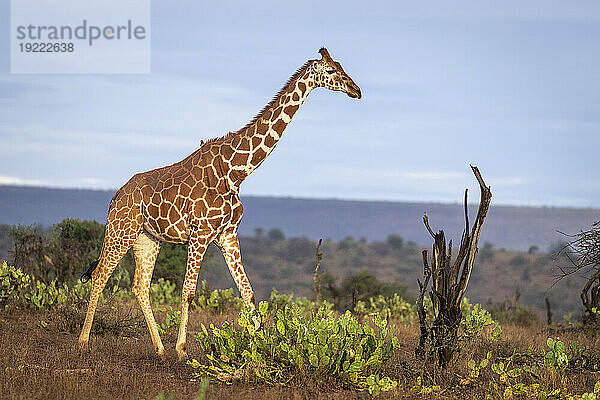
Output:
[[270, 104]]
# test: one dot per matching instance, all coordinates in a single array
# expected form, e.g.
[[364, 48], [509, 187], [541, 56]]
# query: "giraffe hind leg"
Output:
[[146, 249], [112, 253]]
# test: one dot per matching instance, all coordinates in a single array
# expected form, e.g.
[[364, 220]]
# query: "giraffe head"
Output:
[[330, 75]]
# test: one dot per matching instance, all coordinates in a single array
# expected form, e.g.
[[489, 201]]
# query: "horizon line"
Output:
[[309, 198]]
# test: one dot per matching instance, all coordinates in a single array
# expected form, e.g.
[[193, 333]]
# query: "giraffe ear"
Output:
[[325, 54]]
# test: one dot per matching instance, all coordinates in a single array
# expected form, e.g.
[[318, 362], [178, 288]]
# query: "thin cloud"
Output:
[[39, 138], [15, 180], [94, 183], [431, 175], [491, 10], [508, 181]]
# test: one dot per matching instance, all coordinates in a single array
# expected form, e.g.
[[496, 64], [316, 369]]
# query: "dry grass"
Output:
[[44, 362]]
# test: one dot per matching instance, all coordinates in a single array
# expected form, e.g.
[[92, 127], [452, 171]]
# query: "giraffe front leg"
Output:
[[196, 248], [230, 247]]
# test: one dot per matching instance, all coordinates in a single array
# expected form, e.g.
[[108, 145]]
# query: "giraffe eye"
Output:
[[330, 71]]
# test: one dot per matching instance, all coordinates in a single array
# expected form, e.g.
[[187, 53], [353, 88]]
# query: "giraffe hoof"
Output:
[[83, 347], [183, 356], [161, 354]]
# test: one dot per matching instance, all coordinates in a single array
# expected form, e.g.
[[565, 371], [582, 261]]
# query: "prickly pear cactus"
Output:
[[319, 343]]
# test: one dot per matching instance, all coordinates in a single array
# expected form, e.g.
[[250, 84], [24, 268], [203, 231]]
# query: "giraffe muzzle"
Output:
[[354, 92]]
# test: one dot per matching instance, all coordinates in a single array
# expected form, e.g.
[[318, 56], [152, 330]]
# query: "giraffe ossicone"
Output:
[[196, 201]]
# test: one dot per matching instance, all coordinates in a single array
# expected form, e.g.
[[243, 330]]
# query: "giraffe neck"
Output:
[[253, 143]]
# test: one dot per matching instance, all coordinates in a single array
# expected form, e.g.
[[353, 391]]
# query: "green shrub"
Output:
[[513, 313], [294, 344], [477, 320], [172, 261], [13, 285], [60, 254], [278, 301], [509, 379], [518, 260], [20, 290], [30, 246], [388, 307], [164, 292], [72, 245], [218, 301], [556, 358], [172, 319]]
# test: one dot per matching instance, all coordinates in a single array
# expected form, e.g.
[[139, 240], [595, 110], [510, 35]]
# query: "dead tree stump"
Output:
[[316, 277], [548, 312], [439, 339]]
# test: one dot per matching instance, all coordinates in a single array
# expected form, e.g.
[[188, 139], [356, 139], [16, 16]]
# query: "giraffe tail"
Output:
[[87, 275]]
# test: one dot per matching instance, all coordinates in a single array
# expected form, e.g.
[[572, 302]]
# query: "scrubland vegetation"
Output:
[[358, 343], [385, 267], [303, 350]]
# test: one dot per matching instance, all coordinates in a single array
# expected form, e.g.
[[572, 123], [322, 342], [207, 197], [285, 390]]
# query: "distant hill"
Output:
[[509, 227]]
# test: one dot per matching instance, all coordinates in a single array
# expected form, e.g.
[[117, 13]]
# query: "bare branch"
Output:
[[426, 222], [466, 210], [584, 292], [427, 270], [484, 205]]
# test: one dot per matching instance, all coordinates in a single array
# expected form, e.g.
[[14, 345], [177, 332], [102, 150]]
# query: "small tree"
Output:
[[356, 287], [63, 252], [487, 251], [172, 261], [73, 245], [5, 241], [275, 235], [583, 254], [30, 251], [395, 241], [533, 249]]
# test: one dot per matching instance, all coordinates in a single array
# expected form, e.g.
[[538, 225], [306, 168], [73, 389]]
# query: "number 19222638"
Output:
[[46, 47]]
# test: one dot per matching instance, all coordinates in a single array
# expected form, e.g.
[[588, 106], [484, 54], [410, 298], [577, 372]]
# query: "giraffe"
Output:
[[196, 201]]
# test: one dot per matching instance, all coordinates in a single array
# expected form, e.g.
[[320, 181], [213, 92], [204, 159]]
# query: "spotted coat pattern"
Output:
[[196, 201]]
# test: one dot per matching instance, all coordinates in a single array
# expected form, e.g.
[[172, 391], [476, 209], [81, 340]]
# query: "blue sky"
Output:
[[512, 87]]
